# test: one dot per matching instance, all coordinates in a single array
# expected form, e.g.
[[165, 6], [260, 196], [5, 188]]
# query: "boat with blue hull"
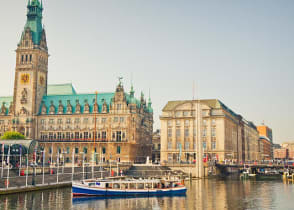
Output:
[[128, 188]]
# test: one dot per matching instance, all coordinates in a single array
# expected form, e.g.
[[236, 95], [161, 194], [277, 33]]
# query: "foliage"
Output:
[[12, 135]]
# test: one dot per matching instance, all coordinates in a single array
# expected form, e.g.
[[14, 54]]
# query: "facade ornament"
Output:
[[23, 111], [10, 111], [52, 108], [78, 107], [95, 106], [69, 107], [3, 109], [44, 109], [24, 96], [60, 107], [87, 107], [104, 107]]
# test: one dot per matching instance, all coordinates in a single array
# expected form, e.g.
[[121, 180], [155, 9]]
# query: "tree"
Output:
[[12, 135]]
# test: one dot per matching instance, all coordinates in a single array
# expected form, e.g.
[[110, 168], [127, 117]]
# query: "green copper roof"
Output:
[[61, 89], [34, 20]]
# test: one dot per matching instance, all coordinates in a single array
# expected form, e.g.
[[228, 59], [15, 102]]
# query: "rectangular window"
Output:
[[103, 150], [103, 135], [213, 132], [50, 136], [86, 135], [122, 119], [178, 114], [169, 123], [187, 145], [77, 150], [213, 122], [51, 121], [77, 120], [118, 136], [67, 150], [58, 135], [77, 135], [118, 150], [187, 122], [186, 132], [115, 119], [67, 135], [86, 120], [204, 122], [204, 132], [42, 122], [169, 132], [186, 114], [85, 150], [169, 145], [213, 145], [68, 121], [59, 121], [178, 122], [178, 133]]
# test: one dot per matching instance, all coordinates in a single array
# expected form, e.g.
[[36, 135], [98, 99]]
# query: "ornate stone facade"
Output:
[[62, 120]]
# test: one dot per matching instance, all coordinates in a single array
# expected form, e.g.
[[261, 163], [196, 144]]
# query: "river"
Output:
[[202, 194]]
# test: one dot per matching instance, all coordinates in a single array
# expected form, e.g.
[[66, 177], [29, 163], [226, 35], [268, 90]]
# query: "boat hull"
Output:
[[87, 191]]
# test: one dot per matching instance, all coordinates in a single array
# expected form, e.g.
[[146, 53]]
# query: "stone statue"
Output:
[[24, 96]]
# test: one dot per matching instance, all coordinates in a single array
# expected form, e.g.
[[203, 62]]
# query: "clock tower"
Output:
[[30, 83]]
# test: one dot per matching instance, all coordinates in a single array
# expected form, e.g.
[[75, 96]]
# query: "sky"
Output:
[[238, 51]]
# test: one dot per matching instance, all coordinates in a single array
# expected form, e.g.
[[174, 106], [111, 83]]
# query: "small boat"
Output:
[[129, 187]]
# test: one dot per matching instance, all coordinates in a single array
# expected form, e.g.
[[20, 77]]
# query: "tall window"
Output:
[[115, 119], [169, 123], [103, 135], [178, 122], [118, 150], [187, 122], [103, 150], [169, 145], [187, 145], [58, 135], [86, 135], [118, 136], [122, 119], [169, 132], [213, 145], [67, 135], [59, 121], [204, 132], [186, 132], [213, 132], [179, 145], [178, 133]]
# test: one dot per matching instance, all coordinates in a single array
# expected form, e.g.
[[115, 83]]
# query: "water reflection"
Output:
[[205, 194]]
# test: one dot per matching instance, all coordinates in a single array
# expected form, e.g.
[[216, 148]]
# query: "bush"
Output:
[[12, 135]]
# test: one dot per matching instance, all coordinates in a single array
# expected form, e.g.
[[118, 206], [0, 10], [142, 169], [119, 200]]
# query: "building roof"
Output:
[[61, 89]]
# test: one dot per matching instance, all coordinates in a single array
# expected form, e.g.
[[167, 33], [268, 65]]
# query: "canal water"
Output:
[[202, 194]]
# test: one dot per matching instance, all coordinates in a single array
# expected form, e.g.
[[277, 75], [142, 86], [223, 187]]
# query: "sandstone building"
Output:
[[116, 125], [225, 134]]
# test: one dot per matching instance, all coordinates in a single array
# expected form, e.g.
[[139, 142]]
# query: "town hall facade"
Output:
[[116, 125]]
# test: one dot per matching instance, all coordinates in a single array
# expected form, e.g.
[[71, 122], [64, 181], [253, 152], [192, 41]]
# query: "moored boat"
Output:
[[127, 187]]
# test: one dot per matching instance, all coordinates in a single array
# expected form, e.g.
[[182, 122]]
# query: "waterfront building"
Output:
[[265, 148], [290, 148], [225, 134], [116, 125], [266, 137], [156, 147], [281, 154]]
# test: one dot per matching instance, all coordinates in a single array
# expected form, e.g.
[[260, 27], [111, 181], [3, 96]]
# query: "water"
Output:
[[204, 194]]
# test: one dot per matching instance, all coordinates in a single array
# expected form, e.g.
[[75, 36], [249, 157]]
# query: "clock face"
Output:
[[25, 78], [42, 80]]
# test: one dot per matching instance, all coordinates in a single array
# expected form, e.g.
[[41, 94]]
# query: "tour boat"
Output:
[[129, 187]]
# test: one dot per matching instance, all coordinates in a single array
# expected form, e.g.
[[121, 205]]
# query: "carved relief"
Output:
[[52, 108], [95, 106], [44, 109], [3, 109], [60, 107], [10, 108], [69, 108], [24, 96], [23, 111], [78, 107], [87, 107], [24, 79], [104, 107]]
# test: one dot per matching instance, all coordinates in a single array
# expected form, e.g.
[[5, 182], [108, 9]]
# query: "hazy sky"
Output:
[[239, 51]]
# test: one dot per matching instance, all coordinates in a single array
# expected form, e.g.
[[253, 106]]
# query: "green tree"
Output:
[[12, 135]]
